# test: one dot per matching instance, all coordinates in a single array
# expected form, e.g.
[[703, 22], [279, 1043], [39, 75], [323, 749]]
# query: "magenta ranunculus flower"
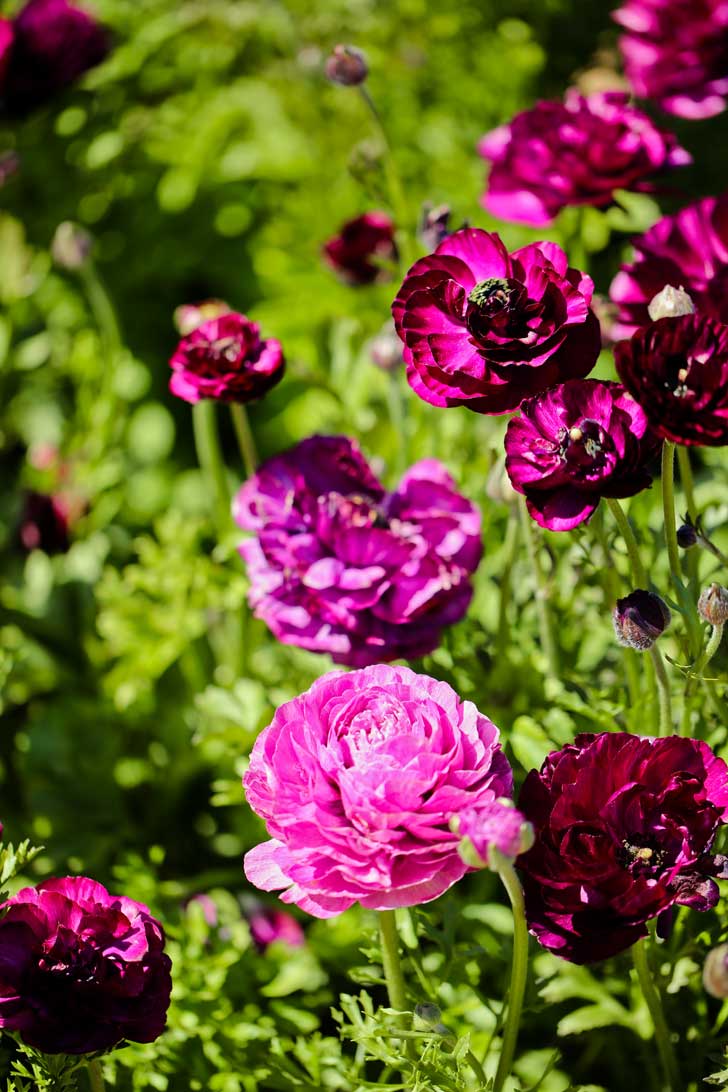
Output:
[[54, 43], [624, 827], [361, 249], [225, 359], [573, 445], [358, 780], [677, 369], [81, 969], [339, 565], [676, 52], [573, 153], [688, 250], [485, 329]]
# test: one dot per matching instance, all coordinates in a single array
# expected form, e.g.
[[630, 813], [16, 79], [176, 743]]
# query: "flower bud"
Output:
[[687, 536], [188, 316], [715, 972], [713, 605], [428, 1013], [347, 66], [639, 619], [385, 349], [670, 303], [71, 246], [434, 225], [496, 829]]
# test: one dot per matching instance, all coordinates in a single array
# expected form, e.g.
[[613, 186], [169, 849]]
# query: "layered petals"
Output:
[[225, 359]]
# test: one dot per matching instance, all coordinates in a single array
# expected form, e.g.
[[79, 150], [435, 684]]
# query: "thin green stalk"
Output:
[[686, 480], [398, 417], [548, 645], [95, 1075], [519, 968], [639, 573], [209, 454], [654, 1004], [245, 438], [510, 552], [610, 582], [112, 347], [393, 975], [394, 182], [705, 656], [666, 727], [686, 601]]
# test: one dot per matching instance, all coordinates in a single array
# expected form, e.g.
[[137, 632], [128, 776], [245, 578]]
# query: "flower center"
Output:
[[225, 349], [639, 856], [71, 959], [678, 370], [499, 306], [584, 447]]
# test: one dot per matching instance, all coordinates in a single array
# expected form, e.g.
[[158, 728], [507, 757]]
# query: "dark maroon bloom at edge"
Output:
[[624, 827], [362, 248]]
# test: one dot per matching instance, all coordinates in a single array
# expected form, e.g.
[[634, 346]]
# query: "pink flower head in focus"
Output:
[[224, 358]]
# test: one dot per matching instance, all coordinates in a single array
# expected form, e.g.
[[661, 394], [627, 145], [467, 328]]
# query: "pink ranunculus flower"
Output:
[[339, 565], [676, 52], [485, 329], [573, 153], [688, 250], [358, 780], [360, 250], [224, 358]]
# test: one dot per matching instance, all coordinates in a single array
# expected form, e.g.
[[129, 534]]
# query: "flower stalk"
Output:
[[548, 645], [687, 605], [654, 1004], [393, 976], [394, 182], [95, 1075], [245, 438], [209, 455], [519, 967]]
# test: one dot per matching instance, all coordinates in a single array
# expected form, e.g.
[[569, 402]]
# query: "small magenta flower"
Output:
[[624, 829], [44, 523], [485, 329], [363, 247], [573, 153], [346, 65], [269, 925], [677, 369], [689, 249], [676, 52], [339, 565], [225, 359], [575, 444], [357, 781], [81, 969], [639, 619], [497, 825]]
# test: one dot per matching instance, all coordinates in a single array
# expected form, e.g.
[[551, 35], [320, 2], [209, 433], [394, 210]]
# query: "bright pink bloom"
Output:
[[573, 153], [339, 565], [225, 359], [485, 329], [688, 250], [676, 52], [268, 924], [358, 780], [362, 248]]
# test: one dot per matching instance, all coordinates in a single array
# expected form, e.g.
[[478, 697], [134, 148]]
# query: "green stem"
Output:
[[663, 692], [686, 479], [708, 652], [207, 443], [394, 182], [639, 575], [95, 1075], [654, 1004], [393, 976], [610, 581], [245, 438], [398, 418], [686, 602], [519, 968], [104, 315], [548, 646], [510, 551]]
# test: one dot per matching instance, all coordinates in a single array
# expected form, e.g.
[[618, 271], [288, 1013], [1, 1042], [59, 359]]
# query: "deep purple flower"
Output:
[[358, 781], [268, 924], [81, 969], [574, 444], [44, 523], [54, 43], [676, 52], [677, 369], [624, 826], [639, 619], [339, 565], [573, 153], [485, 329], [688, 250], [363, 246], [225, 359]]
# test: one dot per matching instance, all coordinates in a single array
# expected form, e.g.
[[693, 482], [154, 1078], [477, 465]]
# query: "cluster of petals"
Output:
[[677, 369], [676, 52], [575, 443], [575, 152], [225, 359], [485, 329], [687, 250], [339, 565], [363, 247], [81, 969], [358, 780], [45, 48], [624, 828]]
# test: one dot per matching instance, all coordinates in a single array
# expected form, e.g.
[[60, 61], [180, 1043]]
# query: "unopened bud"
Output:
[[434, 225], [71, 246], [386, 349], [687, 536], [670, 303], [188, 316], [639, 619], [428, 1013], [713, 605], [347, 66], [715, 972]]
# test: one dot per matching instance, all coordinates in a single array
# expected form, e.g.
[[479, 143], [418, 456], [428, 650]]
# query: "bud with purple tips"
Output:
[[713, 605]]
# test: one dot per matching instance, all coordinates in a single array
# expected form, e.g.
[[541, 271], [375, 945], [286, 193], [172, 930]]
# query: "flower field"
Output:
[[364, 541]]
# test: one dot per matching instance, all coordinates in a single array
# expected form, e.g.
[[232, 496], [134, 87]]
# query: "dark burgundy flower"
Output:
[[485, 329], [339, 565], [363, 246], [346, 65], [81, 969], [676, 52], [225, 359], [54, 43], [624, 827], [677, 369], [688, 250], [573, 153], [574, 444], [44, 524], [639, 619]]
